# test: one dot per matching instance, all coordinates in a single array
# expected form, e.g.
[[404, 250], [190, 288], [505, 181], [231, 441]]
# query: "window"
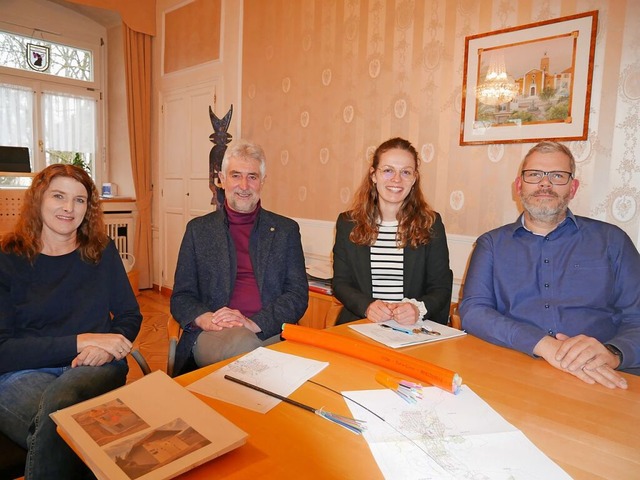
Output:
[[50, 102], [56, 126], [16, 117], [31, 54], [16, 125], [69, 129]]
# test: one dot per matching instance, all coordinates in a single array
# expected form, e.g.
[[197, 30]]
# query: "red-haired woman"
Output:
[[68, 316], [390, 257]]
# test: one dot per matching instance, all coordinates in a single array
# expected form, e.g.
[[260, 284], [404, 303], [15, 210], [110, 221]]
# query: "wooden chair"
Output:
[[333, 312], [174, 330], [454, 317]]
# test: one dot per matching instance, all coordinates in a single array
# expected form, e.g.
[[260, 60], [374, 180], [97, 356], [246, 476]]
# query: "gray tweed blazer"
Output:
[[206, 272]]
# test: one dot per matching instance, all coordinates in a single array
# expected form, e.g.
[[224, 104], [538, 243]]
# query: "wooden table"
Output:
[[590, 431]]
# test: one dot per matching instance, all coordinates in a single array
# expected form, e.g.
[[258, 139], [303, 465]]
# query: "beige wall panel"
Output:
[[192, 35]]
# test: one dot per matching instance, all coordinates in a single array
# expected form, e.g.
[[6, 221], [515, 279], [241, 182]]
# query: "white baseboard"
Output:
[[318, 237]]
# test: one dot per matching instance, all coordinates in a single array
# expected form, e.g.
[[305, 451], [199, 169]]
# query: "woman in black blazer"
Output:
[[390, 256]]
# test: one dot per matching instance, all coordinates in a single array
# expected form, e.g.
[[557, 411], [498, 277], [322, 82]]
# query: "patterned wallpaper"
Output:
[[325, 81]]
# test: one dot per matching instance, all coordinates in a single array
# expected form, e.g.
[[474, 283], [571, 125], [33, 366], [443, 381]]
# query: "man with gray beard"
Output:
[[556, 285]]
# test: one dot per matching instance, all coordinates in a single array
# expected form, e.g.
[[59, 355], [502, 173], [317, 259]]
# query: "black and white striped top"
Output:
[[387, 264]]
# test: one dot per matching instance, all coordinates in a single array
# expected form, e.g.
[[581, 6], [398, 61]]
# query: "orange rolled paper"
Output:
[[384, 357]]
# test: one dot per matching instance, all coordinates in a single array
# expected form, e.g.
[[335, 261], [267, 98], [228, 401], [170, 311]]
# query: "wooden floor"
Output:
[[152, 340]]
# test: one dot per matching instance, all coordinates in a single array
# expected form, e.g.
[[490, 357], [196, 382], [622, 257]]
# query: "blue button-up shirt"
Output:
[[581, 278]]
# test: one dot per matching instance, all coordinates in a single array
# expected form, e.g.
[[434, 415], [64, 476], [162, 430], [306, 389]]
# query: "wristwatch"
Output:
[[615, 350]]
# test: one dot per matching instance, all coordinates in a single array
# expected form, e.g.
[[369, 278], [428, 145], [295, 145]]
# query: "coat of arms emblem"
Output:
[[38, 57]]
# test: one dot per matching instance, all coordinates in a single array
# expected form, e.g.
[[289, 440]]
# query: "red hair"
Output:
[[415, 217], [26, 238]]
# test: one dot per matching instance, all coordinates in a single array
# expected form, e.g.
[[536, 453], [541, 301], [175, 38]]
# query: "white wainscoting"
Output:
[[318, 236]]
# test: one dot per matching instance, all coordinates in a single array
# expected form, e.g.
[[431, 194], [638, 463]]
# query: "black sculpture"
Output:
[[220, 139]]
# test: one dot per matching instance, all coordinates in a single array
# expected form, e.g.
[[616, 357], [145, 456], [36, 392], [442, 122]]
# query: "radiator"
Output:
[[120, 227]]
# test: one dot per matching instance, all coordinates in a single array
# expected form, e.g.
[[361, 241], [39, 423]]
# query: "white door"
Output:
[[185, 148]]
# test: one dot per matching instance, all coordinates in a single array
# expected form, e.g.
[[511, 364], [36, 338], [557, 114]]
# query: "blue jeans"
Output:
[[27, 397]]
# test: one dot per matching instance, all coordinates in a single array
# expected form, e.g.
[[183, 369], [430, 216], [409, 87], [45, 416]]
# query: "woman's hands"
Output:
[[379, 311], [404, 313], [95, 349]]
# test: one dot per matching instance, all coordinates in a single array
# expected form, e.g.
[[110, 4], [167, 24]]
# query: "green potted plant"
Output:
[[78, 161]]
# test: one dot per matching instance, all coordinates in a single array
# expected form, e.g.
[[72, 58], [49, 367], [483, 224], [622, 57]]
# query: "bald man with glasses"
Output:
[[556, 285]]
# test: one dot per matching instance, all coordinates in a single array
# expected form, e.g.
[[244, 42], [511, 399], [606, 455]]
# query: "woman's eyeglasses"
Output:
[[388, 173]]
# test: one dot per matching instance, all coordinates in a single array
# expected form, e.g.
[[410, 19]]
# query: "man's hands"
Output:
[[404, 313], [95, 349], [581, 356], [225, 318]]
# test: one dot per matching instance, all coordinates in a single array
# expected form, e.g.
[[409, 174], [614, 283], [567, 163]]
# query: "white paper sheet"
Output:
[[447, 436], [281, 373], [396, 339]]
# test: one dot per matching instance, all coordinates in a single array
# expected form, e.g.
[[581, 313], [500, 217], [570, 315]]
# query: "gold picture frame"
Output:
[[529, 83]]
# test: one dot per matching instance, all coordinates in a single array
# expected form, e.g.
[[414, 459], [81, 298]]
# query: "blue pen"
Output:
[[407, 331]]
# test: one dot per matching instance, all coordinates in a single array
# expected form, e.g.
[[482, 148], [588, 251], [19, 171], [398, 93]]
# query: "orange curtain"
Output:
[[137, 53]]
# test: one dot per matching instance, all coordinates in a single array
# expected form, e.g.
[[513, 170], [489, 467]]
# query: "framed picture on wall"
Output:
[[529, 83]]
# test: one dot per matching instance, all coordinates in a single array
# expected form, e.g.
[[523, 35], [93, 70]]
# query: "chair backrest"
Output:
[[454, 317], [332, 314]]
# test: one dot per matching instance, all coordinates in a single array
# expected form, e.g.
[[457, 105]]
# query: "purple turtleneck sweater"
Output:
[[246, 295]]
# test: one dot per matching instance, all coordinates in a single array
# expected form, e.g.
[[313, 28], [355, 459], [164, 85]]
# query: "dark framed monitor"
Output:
[[14, 159]]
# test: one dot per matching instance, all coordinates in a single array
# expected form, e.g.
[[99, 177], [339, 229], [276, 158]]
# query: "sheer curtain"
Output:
[[69, 126], [16, 117]]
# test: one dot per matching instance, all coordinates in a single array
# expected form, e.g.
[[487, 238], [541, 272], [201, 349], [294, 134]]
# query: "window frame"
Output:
[[43, 82], [95, 48]]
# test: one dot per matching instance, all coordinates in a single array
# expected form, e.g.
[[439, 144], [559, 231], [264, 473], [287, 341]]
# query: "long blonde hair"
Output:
[[26, 239], [415, 217]]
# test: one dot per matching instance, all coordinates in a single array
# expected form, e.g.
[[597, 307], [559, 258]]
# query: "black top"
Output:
[[44, 306]]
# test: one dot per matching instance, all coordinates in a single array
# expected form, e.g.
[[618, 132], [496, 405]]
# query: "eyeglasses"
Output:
[[556, 177], [388, 173]]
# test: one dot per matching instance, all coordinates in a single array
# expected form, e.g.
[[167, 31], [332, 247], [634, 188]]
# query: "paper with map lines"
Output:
[[447, 436], [277, 372]]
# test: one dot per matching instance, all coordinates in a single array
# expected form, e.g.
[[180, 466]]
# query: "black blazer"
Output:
[[427, 276]]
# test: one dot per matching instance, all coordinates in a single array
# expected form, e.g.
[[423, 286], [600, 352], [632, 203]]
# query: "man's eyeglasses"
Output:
[[388, 173], [556, 177]]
